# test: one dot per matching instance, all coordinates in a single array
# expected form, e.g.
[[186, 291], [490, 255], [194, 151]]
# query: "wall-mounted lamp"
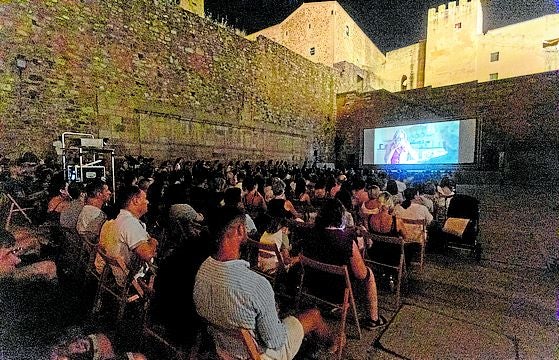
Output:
[[21, 63]]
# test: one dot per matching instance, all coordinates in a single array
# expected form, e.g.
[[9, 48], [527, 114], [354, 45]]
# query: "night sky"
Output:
[[390, 24]]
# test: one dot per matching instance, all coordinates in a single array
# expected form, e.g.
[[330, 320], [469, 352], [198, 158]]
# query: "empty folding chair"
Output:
[[387, 252], [307, 288]]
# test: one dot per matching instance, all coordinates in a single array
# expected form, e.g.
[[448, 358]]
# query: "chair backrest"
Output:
[[267, 248], [412, 229], [318, 267], [248, 340], [464, 206], [381, 244], [348, 298], [387, 252], [243, 335]]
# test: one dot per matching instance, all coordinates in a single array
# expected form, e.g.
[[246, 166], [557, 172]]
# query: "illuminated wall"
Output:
[[404, 68], [323, 32], [157, 81], [526, 48], [194, 6], [458, 51], [452, 42], [455, 50]]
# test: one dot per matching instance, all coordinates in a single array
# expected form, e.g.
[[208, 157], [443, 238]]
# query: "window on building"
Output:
[[347, 30], [404, 83], [312, 51], [309, 26], [494, 56], [494, 76], [458, 25]]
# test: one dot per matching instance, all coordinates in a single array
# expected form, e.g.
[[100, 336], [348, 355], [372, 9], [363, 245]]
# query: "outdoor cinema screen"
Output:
[[446, 142]]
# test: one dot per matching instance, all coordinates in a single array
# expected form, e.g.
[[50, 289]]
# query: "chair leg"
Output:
[[345, 306], [399, 279], [9, 218], [97, 302], [355, 314]]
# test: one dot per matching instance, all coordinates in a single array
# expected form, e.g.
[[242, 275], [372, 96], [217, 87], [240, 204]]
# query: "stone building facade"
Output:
[[157, 81], [323, 32], [194, 6], [455, 50], [458, 50]]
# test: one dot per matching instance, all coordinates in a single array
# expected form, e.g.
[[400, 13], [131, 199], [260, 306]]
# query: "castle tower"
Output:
[[453, 32]]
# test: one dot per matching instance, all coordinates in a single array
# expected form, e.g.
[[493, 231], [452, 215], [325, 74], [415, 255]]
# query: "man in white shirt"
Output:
[[91, 217], [126, 237]]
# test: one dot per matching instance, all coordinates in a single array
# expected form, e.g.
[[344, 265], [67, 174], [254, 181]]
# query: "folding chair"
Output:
[[256, 249], [132, 290], [14, 209], [464, 207], [312, 266], [87, 256], [414, 232], [156, 331], [72, 252], [388, 252], [243, 335]]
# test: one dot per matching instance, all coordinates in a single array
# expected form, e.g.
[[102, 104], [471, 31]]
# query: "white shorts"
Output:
[[295, 335]]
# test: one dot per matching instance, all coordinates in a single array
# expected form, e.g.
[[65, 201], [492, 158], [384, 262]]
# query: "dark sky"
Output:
[[390, 24]]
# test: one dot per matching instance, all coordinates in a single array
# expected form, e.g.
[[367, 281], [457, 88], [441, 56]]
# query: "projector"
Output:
[[92, 143]]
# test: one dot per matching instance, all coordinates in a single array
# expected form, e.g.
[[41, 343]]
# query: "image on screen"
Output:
[[446, 142]]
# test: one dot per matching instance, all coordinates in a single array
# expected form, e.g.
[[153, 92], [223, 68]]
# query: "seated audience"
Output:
[[345, 198], [380, 218], [413, 210], [276, 233], [279, 206], [392, 189], [253, 201], [11, 267], [319, 195], [228, 295], [232, 198], [332, 244], [59, 200]]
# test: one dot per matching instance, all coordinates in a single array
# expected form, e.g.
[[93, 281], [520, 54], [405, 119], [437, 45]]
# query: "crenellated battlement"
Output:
[[452, 8]]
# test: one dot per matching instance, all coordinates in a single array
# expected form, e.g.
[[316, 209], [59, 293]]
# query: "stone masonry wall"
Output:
[[156, 80]]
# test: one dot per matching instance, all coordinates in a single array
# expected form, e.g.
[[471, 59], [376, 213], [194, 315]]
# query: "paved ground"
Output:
[[508, 301]]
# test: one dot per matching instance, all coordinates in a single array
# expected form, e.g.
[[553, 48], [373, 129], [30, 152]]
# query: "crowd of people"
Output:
[[191, 220]]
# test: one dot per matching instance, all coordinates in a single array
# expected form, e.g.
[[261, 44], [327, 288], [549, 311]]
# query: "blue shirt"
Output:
[[230, 295]]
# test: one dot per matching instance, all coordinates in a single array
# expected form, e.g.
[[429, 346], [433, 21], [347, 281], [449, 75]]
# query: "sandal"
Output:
[[370, 324]]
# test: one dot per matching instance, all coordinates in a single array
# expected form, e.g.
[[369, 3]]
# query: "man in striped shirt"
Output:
[[228, 295]]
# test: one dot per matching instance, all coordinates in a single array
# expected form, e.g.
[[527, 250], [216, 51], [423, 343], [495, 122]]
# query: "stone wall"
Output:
[[156, 80], [518, 117]]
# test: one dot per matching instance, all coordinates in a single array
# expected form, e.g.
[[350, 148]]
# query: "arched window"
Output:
[[404, 83]]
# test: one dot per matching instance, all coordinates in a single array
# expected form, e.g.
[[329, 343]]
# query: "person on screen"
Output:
[[399, 150]]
